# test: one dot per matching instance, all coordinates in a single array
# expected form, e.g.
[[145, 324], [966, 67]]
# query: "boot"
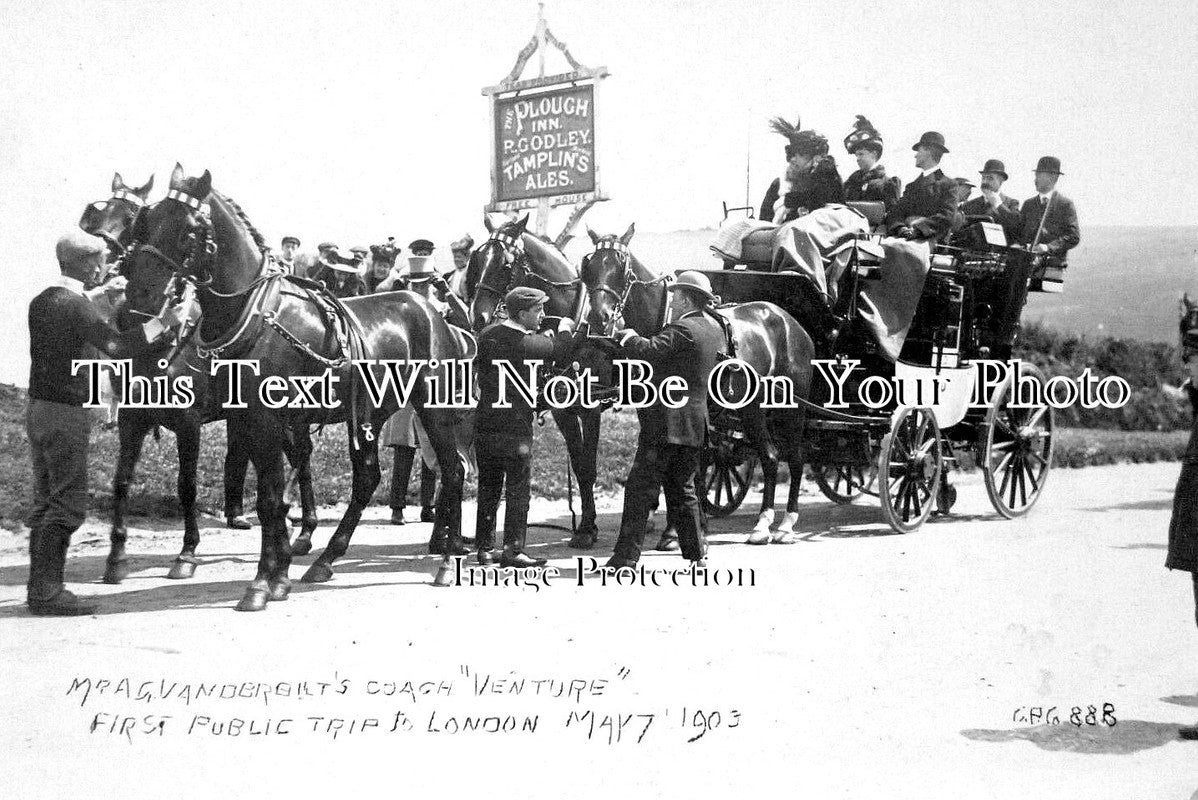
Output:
[[47, 561]]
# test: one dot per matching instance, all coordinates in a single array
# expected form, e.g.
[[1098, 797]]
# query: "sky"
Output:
[[355, 121]]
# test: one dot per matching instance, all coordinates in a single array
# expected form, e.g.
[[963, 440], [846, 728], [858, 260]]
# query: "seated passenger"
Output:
[[925, 210], [869, 184], [993, 205], [810, 181]]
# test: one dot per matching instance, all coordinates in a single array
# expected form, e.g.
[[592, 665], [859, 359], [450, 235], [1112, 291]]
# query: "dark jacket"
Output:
[[1183, 525], [502, 342], [690, 348], [351, 285], [927, 206], [814, 189], [61, 325], [1061, 231], [872, 186], [1007, 214]]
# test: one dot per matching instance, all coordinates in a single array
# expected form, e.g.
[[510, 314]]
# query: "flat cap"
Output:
[[75, 246], [287, 239], [422, 247], [326, 246], [523, 298]]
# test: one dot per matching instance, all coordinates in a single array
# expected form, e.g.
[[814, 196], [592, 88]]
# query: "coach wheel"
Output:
[[725, 472], [1017, 453], [841, 484], [909, 469]]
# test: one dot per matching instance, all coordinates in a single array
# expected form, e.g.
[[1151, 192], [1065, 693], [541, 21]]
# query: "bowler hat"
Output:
[[695, 282], [1049, 164], [422, 247], [931, 139], [291, 239], [994, 167], [523, 298], [75, 246]]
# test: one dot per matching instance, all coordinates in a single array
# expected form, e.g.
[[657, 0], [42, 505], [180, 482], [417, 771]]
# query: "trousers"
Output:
[[58, 443], [656, 467], [503, 459], [401, 475]]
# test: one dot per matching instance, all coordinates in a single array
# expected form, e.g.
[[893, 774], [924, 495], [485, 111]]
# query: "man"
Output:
[[925, 211], [288, 248], [1049, 220], [361, 255], [456, 279], [667, 451], [964, 188], [869, 183], [62, 322], [503, 436], [340, 274], [993, 204]]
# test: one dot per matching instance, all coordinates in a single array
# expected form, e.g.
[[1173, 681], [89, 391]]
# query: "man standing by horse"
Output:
[[456, 279], [62, 322], [667, 451], [288, 247], [503, 435], [926, 209], [1049, 220]]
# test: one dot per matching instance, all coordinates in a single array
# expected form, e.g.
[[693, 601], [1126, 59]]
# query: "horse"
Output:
[[112, 220], [513, 257], [623, 291], [300, 338]]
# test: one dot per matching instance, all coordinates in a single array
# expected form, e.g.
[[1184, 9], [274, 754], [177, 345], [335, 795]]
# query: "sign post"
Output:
[[543, 144]]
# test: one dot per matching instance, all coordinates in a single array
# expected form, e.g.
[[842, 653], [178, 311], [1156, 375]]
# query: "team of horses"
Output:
[[199, 241]]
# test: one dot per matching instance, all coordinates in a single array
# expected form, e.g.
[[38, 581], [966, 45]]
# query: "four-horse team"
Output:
[[188, 280]]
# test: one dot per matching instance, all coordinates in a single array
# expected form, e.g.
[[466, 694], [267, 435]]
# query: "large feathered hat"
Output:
[[863, 134], [806, 143]]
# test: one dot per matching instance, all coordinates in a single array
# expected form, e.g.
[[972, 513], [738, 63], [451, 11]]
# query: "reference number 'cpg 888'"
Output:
[[1078, 716]]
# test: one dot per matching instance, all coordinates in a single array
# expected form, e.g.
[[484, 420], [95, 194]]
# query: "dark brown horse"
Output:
[[623, 292], [300, 338], [514, 257], [113, 221]]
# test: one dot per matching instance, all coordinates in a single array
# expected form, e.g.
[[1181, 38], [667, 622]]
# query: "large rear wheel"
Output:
[[841, 484], [1017, 450], [909, 469], [726, 469]]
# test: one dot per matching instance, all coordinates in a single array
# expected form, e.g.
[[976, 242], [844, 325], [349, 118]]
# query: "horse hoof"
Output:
[[181, 570], [254, 600], [582, 541], [279, 591], [318, 573], [784, 537], [301, 546], [116, 571], [758, 537]]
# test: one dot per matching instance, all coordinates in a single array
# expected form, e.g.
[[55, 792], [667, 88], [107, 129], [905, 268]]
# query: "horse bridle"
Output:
[[630, 279], [517, 262]]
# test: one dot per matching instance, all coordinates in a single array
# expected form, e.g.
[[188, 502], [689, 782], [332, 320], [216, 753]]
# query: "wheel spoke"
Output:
[[1039, 415], [1031, 476], [740, 479]]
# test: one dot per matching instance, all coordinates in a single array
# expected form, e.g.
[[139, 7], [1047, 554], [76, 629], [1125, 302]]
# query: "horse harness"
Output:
[[631, 281], [517, 259]]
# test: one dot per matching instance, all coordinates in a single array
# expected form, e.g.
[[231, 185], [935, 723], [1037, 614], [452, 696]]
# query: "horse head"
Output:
[[489, 275], [195, 234], [112, 220], [609, 277]]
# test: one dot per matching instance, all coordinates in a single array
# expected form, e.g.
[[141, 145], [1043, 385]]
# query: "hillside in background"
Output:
[[1122, 281]]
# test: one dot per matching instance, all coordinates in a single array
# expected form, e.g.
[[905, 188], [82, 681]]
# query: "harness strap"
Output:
[[190, 202], [128, 197]]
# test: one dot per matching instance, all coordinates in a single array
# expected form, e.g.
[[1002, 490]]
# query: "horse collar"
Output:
[[190, 201]]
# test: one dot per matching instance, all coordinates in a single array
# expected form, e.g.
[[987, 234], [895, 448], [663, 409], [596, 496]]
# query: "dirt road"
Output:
[[855, 663]]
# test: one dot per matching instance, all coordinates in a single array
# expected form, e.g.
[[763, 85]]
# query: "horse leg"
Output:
[[271, 581], [583, 465], [301, 459], [132, 431], [439, 426], [365, 461], [187, 443], [755, 427], [785, 532]]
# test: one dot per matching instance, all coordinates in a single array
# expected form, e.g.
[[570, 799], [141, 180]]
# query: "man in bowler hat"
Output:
[[993, 204], [62, 322], [667, 450], [503, 435], [1049, 220], [926, 209]]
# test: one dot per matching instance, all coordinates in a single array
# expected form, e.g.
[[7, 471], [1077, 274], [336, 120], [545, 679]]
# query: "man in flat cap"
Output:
[[925, 211], [287, 250], [62, 322], [503, 436], [1049, 220], [993, 204], [667, 450]]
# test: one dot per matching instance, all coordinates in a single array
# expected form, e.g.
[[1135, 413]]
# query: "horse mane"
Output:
[[255, 234]]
